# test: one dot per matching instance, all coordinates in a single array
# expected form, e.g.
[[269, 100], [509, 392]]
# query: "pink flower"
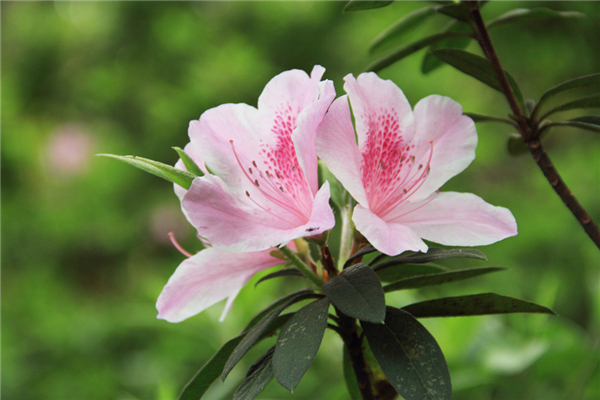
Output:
[[402, 159], [264, 190], [207, 278]]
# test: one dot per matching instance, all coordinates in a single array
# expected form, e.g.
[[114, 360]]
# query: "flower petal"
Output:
[[389, 238], [460, 219], [207, 278], [237, 225], [336, 145], [440, 119]]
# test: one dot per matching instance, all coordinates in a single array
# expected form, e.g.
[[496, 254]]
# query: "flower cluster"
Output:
[[260, 188]]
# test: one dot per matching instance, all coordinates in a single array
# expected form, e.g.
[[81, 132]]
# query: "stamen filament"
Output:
[[178, 246]]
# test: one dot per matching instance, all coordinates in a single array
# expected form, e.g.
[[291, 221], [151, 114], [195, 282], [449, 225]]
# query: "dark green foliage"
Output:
[[581, 82], [362, 252], [402, 271], [278, 274], [359, 5], [257, 378], [298, 343], [585, 102], [431, 62], [277, 303], [402, 28], [433, 254], [357, 292], [525, 15], [515, 145], [477, 304], [409, 356], [349, 376]]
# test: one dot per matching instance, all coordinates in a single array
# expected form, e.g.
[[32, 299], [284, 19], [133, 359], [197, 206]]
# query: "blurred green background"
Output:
[[85, 251]]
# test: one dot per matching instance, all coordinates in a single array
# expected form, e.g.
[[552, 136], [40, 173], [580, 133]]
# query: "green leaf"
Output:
[[283, 272], [257, 378], [431, 62], [409, 356], [400, 29], [479, 68], [361, 252], [488, 118], [402, 271], [399, 54], [516, 146], [574, 123], [524, 14], [592, 101], [164, 171], [257, 330], [439, 278], [359, 5], [350, 377], [477, 304], [298, 343], [433, 254], [457, 11], [190, 164], [580, 82], [274, 305], [196, 388], [590, 120], [357, 292]]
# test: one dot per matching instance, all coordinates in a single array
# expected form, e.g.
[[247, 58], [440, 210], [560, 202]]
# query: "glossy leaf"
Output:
[[583, 81], [433, 254], [274, 305], [431, 62], [357, 292], [257, 378], [516, 146], [477, 304], [350, 377], [457, 11], [404, 271], [209, 373], [479, 68], [278, 274], [257, 331], [488, 118], [359, 5], [439, 278], [399, 54], [402, 28], [524, 14], [190, 164], [362, 252], [298, 343], [164, 171], [409, 356], [592, 101]]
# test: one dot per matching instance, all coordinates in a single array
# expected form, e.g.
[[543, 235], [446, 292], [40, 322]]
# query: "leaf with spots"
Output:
[[298, 343], [257, 378], [409, 356]]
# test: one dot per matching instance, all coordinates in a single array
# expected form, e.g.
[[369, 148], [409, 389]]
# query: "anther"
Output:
[[256, 183], [250, 170], [254, 163], [247, 194]]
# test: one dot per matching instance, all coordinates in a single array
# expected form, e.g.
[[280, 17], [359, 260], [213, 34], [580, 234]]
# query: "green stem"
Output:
[[305, 269]]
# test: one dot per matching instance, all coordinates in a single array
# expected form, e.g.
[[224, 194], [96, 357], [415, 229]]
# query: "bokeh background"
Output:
[[85, 251]]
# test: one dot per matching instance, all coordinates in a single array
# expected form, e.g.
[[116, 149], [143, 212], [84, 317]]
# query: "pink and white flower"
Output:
[[402, 159], [263, 190]]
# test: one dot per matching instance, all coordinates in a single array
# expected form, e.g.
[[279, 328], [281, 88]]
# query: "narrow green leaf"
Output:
[[488, 118], [256, 332], [409, 356], [400, 29], [479, 68], [582, 81], [594, 127], [283, 272], [516, 146], [524, 14], [399, 54], [298, 343], [274, 305], [257, 378], [457, 11], [592, 101], [350, 377], [439, 278], [477, 304], [359, 5], [357, 292], [164, 171], [433, 254], [209, 373], [590, 120], [431, 62], [362, 252], [404, 271], [190, 164]]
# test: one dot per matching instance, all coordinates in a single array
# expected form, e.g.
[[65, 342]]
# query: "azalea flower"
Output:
[[401, 160], [207, 278], [263, 187]]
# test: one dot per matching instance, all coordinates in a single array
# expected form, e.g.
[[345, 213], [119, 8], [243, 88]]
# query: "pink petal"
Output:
[[389, 238], [336, 145], [233, 223], [207, 278], [439, 119], [460, 219]]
